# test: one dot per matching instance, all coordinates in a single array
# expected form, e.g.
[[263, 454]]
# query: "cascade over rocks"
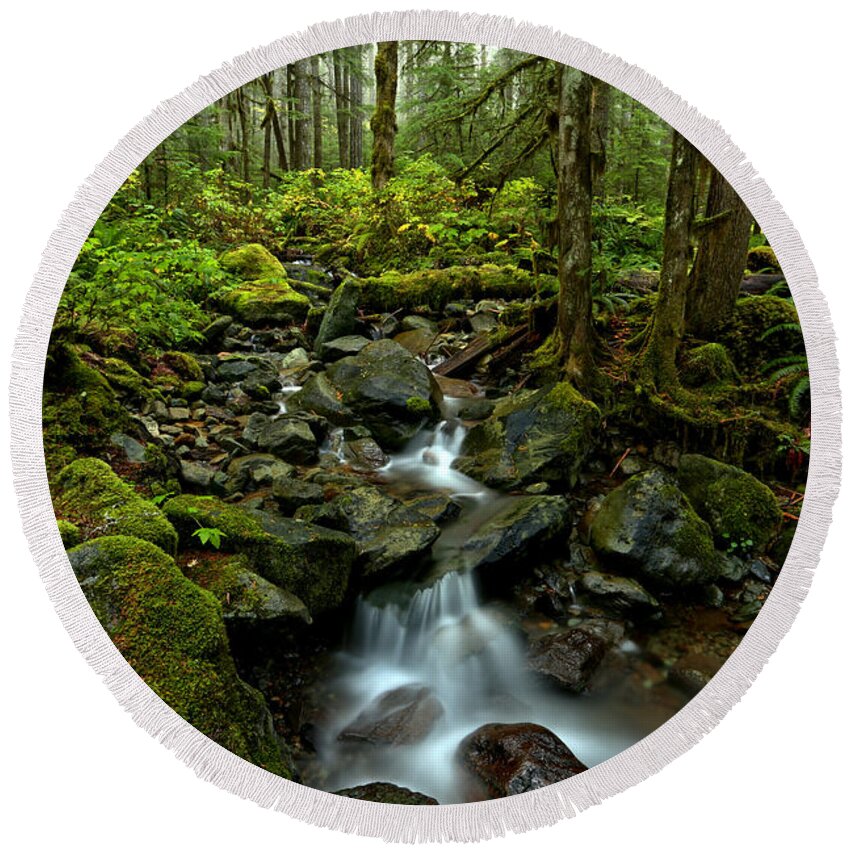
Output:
[[404, 715]]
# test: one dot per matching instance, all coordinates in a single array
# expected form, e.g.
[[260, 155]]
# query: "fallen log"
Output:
[[467, 357]]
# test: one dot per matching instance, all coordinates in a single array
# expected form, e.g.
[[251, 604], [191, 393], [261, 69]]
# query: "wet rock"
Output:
[[403, 715], [196, 474], [216, 330], [417, 323], [386, 792], [511, 758], [340, 317], [387, 532], [522, 526], [344, 346], [292, 493], [295, 359], [133, 450], [621, 595], [484, 321], [244, 595], [743, 513], [364, 454], [476, 409], [320, 396], [417, 342], [533, 435], [178, 414], [388, 390], [568, 658], [236, 369], [438, 506], [288, 437], [647, 527], [456, 388], [694, 671]]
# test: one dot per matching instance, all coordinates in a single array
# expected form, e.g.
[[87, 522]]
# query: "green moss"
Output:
[[184, 364], [70, 533], [269, 299], [252, 262], [192, 390], [434, 288], [79, 408], [417, 405], [125, 380], [743, 513], [172, 633], [742, 334], [762, 258], [707, 366], [545, 361], [89, 493], [311, 562]]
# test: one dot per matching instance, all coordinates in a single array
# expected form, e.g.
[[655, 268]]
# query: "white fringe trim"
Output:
[[471, 821]]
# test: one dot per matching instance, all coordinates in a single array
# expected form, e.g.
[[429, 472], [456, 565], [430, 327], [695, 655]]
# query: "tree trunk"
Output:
[[317, 111], [658, 365], [267, 149], [301, 154], [384, 118], [244, 134], [575, 325], [341, 97], [355, 104], [290, 112], [274, 119], [601, 100], [721, 258]]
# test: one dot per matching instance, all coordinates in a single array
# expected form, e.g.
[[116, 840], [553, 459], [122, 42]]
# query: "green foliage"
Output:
[[626, 237], [209, 535], [792, 369]]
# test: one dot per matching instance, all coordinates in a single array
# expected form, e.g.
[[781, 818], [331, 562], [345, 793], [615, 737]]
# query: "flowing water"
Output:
[[470, 655]]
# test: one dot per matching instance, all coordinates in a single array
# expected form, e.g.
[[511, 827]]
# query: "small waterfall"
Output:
[[288, 388]]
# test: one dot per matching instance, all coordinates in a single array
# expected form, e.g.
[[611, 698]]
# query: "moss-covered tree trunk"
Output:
[[721, 258], [355, 106], [575, 194], [341, 104], [383, 122], [658, 365], [599, 131]]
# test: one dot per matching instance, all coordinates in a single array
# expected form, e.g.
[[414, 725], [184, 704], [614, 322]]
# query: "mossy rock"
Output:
[[252, 262], [762, 258], [313, 563], [434, 288], [192, 390], [88, 493], [707, 365], [172, 633], [70, 533], [753, 315], [743, 513], [537, 435], [79, 408], [127, 382], [340, 317], [244, 595], [183, 364], [647, 527], [264, 301]]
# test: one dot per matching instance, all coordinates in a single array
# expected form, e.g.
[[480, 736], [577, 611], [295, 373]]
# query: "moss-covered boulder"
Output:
[[648, 528], [536, 435], [266, 295], [183, 364], [252, 262], [707, 366], [386, 792], [87, 492], [172, 633], [743, 513], [70, 533], [244, 595], [312, 562], [80, 409], [762, 258], [387, 389], [743, 334]]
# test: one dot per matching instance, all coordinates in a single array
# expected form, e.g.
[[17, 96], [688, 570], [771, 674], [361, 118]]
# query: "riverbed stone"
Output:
[[388, 532], [388, 390], [320, 396], [511, 758], [261, 469], [386, 792], [521, 526], [293, 493], [340, 317], [621, 595], [533, 435], [404, 715], [569, 658], [343, 346], [648, 528]]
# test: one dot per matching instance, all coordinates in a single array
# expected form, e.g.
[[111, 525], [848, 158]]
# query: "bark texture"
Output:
[[383, 122]]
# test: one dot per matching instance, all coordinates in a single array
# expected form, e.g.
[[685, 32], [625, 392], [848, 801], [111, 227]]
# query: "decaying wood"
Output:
[[467, 357]]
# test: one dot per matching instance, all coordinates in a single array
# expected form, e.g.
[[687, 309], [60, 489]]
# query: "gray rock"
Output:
[[568, 658], [647, 527], [133, 450], [403, 715], [196, 474], [386, 792], [344, 346], [289, 439], [340, 318], [417, 323], [292, 493], [177, 414], [621, 595]]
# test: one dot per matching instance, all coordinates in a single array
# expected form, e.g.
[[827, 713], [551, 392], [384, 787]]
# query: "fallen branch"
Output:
[[623, 456]]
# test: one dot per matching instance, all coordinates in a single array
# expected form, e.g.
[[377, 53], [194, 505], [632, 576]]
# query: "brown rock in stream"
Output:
[[403, 715]]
